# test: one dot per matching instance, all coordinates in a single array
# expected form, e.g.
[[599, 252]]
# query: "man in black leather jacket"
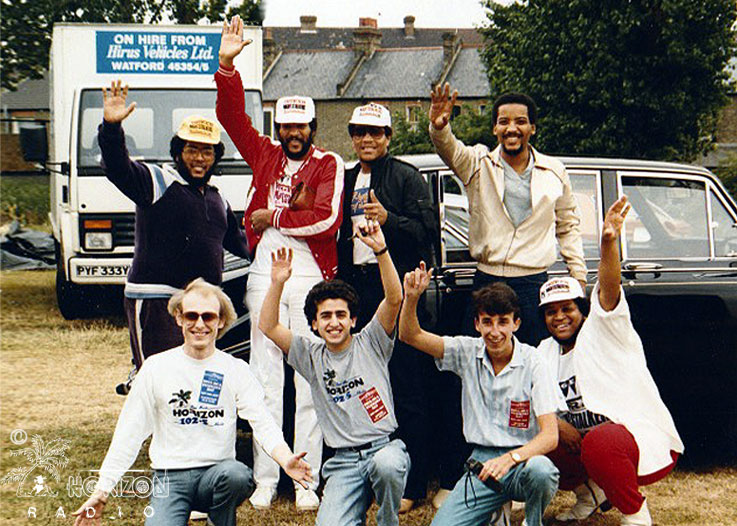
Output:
[[392, 192]]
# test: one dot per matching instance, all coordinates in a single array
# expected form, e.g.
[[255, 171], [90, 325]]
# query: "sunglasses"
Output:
[[207, 317], [373, 131]]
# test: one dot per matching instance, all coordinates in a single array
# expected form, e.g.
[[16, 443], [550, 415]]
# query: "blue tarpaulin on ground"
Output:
[[26, 249]]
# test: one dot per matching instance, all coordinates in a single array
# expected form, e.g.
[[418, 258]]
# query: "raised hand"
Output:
[[374, 209], [441, 105], [299, 470], [417, 281], [371, 235], [281, 265], [113, 102], [231, 40], [614, 219]]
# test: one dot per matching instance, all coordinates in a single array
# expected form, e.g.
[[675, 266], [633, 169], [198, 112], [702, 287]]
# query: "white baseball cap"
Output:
[[560, 289], [294, 110], [372, 114]]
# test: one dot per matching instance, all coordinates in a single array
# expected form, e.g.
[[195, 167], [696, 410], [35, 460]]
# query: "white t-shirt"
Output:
[[613, 380], [303, 262], [577, 415], [190, 408], [362, 254]]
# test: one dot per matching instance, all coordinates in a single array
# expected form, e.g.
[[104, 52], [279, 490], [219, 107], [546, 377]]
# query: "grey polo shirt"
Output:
[[500, 410]]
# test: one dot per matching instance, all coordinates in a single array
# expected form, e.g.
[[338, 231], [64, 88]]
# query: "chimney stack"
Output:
[[269, 47], [409, 26], [308, 24], [450, 43], [366, 37]]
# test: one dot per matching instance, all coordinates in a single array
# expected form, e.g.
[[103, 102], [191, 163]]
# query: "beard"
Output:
[[306, 145], [512, 153], [197, 182]]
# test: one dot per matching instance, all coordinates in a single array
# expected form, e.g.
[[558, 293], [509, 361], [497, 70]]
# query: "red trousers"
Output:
[[609, 456]]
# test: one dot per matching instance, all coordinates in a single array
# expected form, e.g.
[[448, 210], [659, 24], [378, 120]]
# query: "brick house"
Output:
[[342, 68]]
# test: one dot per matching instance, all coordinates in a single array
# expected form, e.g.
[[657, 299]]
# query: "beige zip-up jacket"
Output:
[[499, 247]]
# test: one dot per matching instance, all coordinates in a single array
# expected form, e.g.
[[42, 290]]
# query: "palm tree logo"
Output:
[[329, 377], [49, 457], [181, 398]]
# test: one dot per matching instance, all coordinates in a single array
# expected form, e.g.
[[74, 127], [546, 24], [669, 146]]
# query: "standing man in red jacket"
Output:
[[294, 202]]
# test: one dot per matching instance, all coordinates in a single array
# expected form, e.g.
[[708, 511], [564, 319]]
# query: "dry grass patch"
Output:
[[57, 381]]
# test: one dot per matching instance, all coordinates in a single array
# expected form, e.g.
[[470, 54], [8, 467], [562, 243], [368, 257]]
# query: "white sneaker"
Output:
[[262, 497], [306, 499], [589, 499], [502, 516], [440, 497], [197, 516], [641, 518]]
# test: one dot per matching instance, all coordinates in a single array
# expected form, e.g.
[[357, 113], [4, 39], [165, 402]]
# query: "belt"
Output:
[[369, 445]]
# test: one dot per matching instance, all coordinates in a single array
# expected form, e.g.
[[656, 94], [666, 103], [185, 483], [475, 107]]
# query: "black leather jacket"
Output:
[[411, 225]]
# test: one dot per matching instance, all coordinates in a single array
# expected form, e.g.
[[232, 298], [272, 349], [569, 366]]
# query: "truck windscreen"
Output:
[[149, 129]]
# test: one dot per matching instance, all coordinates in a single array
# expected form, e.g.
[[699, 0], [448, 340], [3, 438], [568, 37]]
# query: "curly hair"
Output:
[[515, 98], [329, 290]]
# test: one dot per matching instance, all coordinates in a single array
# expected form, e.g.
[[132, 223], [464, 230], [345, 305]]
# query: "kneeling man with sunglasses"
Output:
[[188, 399]]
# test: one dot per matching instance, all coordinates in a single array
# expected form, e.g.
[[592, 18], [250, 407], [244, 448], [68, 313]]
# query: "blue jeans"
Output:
[[353, 478], [532, 330], [217, 490], [533, 482]]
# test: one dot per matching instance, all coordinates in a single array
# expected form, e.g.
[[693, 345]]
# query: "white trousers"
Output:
[[267, 365]]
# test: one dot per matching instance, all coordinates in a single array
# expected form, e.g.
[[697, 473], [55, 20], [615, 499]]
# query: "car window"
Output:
[[724, 227], [454, 223], [584, 185], [668, 217]]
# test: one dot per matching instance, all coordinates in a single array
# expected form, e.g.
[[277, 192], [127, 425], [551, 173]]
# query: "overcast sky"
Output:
[[389, 13]]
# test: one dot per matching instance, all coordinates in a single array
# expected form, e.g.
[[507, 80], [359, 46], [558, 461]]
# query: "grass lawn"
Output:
[[57, 383], [25, 197]]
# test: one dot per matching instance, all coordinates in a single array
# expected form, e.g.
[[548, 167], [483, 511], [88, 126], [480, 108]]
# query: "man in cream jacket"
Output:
[[520, 203]]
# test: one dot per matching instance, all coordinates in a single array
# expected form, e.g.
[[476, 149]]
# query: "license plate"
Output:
[[101, 271]]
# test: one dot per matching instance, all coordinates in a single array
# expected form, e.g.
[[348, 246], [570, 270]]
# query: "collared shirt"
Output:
[[500, 410], [517, 196]]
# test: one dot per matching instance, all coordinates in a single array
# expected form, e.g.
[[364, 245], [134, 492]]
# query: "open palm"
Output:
[[614, 219], [281, 265], [441, 105], [113, 102], [231, 40]]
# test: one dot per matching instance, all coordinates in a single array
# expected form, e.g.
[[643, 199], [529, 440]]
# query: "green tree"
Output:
[[637, 78], [469, 126], [26, 25]]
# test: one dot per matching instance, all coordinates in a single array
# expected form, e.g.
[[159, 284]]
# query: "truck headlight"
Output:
[[98, 240]]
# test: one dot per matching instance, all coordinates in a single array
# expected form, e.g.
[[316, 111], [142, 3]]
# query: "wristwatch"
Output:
[[515, 457]]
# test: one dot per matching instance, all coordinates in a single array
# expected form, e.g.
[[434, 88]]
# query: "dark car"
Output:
[[679, 272]]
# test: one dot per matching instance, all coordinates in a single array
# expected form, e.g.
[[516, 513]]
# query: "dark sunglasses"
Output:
[[207, 317], [373, 131]]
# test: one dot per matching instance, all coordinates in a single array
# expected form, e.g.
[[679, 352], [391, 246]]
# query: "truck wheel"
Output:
[[72, 300]]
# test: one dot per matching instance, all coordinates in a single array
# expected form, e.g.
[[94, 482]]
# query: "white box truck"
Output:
[[170, 73]]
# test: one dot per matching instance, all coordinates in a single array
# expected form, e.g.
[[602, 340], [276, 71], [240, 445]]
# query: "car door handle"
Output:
[[643, 267]]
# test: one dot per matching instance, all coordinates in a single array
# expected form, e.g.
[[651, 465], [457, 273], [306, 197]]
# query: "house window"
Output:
[[414, 111]]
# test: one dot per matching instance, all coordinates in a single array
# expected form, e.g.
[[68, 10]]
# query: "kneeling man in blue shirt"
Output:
[[509, 403]]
